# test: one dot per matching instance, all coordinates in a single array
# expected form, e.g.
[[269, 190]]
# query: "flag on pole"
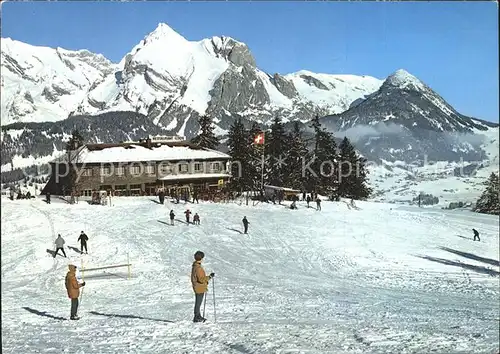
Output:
[[259, 139]]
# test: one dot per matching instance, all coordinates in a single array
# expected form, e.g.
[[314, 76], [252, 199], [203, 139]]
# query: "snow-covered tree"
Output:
[[488, 202], [206, 137]]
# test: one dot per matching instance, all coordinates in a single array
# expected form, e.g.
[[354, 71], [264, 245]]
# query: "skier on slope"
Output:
[[73, 289], [59, 245], [83, 238], [172, 217], [476, 234], [245, 224], [188, 214], [161, 196], [199, 281], [318, 203], [308, 200], [196, 219]]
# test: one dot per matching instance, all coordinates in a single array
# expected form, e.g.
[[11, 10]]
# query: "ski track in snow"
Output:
[[338, 280]]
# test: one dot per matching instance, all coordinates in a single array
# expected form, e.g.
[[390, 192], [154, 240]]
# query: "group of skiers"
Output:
[[196, 219], [187, 213], [59, 242], [199, 279], [20, 195], [176, 197]]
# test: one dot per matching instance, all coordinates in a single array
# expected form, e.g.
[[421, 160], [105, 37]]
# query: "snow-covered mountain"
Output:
[[406, 120], [166, 82], [43, 84], [169, 79]]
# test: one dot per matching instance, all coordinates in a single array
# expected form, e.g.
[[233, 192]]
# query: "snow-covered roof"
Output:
[[138, 152], [194, 176], [282, 188]]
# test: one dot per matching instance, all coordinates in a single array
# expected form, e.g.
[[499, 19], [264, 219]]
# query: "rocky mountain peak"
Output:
[[402, 79], [233, 51]]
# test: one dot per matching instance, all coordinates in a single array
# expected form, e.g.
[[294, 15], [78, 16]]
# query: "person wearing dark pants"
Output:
[[476, 235], [318, 203], [199, 280], [83, 242], [172, 217], [59, 245], [73, 288], [245, 224]]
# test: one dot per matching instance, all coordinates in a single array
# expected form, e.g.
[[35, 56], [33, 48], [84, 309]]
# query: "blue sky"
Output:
[[451, 46]]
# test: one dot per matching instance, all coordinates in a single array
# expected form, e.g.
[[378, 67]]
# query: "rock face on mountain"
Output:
[[406, 120]]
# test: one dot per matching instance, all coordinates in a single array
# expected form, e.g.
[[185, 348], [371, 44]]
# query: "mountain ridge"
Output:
[[167, 82]]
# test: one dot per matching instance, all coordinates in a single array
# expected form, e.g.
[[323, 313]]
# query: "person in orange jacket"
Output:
[[73, 289], [199, 280]]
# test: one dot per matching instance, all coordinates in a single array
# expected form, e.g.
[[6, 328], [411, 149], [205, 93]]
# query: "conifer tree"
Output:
[[297, 151], [238, 150], [352, 173], [76, 141], [324, 164], [276, 149], [488, 202], [206, 138], [254, 173]]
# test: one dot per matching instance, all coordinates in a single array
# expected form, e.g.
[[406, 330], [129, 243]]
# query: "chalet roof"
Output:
[[137, 152], [194, 176]]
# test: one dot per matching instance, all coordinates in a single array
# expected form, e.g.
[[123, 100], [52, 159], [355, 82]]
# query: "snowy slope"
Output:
[[46, 84], [334, 92], [380, 279]]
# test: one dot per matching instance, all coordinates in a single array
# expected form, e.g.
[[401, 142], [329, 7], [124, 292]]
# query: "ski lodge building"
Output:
[[139, 168]]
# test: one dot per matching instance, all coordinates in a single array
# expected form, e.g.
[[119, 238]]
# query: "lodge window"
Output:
[[120, 187], [150, 170], [135, 170], [214, 166], [87, 172], [165, 169], [105, 171], [198, 167], [183, 168], [87, 193], [120, 171]]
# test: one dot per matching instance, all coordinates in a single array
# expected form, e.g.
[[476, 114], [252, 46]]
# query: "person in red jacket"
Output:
[[199, 280], [73, 289]]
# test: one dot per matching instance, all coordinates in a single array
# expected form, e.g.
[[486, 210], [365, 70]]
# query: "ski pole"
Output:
[[213, 287], [204, 303], [81, 295]]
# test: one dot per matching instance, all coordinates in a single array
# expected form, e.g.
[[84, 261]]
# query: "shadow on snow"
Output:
[[234, 230], [472, 256], [43, 314], [477, 269]]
